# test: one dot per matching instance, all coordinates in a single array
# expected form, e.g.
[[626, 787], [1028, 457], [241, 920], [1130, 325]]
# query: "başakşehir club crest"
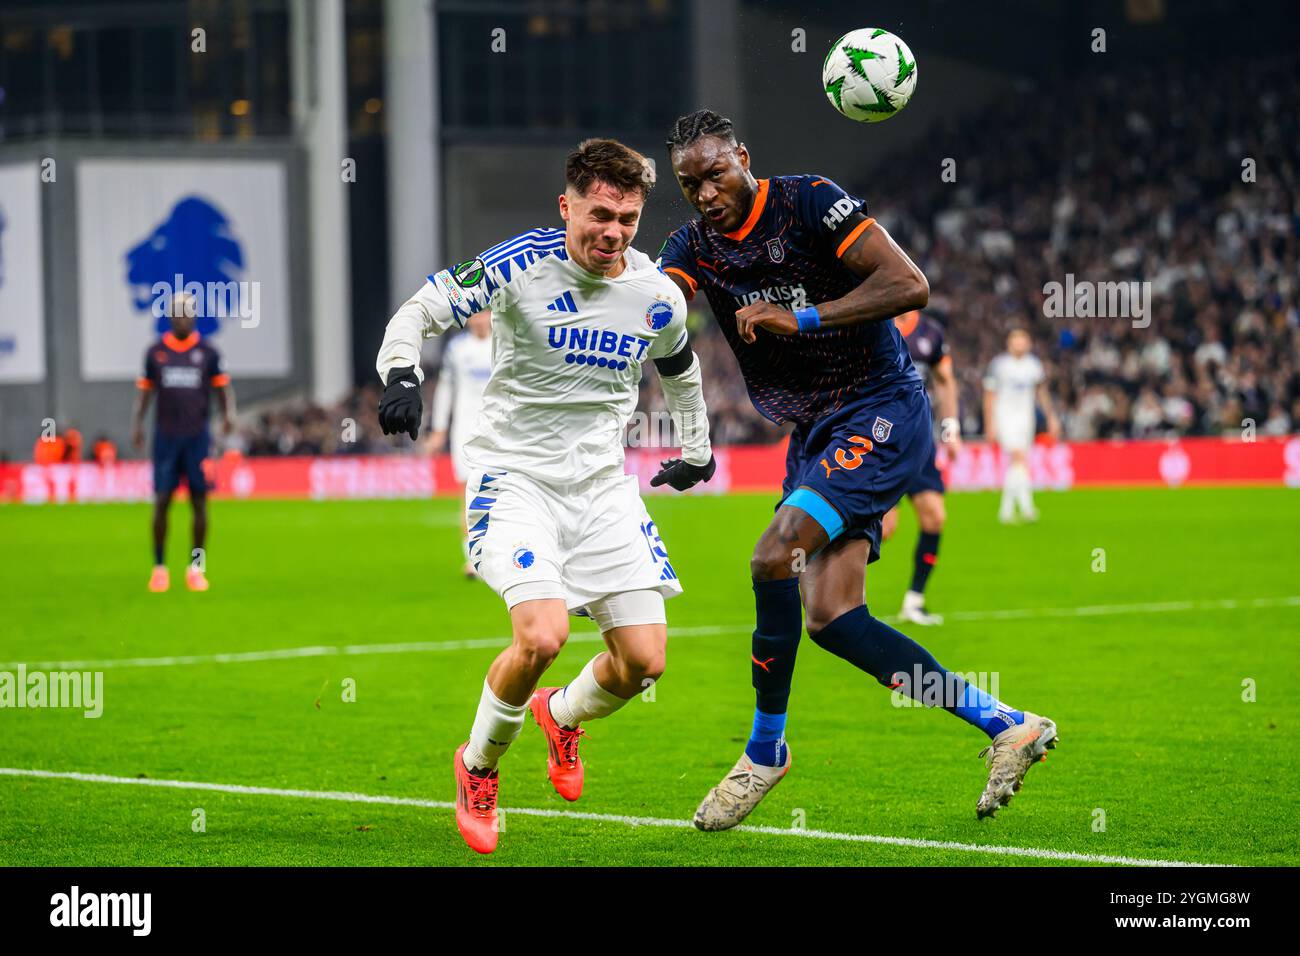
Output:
[[775, 250], [881, 428]]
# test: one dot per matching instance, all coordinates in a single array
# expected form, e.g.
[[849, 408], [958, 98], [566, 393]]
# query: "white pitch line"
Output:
[[420, 647], [347, 797]]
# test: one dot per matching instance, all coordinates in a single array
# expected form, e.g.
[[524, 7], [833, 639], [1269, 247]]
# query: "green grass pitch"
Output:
[[1147, 688]]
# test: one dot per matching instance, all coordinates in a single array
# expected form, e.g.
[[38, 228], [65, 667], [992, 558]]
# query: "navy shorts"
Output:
[[927, 479], [848, 469], [177, 455]]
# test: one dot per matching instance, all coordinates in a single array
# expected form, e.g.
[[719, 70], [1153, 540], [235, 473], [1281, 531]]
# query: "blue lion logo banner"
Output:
[[194, 242]]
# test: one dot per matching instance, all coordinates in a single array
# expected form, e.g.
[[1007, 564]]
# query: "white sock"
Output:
[[496, 725], [1008, 507], [583, 699], [1025, 492]]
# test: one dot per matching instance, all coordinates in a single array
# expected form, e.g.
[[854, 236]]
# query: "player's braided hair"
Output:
[[608, 161], [692, 126]]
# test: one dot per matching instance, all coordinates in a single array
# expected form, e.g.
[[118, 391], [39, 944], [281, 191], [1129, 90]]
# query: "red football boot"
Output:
[[476, 805], [563, 765]]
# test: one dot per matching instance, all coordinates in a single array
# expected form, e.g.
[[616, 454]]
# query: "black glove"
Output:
[[682, 475], [401, 409]]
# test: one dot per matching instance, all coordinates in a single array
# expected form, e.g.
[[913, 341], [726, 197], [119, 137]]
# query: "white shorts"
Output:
[[1015, 432], [580, 543]]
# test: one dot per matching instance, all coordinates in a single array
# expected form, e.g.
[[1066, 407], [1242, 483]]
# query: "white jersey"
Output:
[[466, 368], [1014, 382], [567, 351]]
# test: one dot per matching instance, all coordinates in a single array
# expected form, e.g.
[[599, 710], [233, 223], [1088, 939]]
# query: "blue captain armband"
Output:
[[808, 318]]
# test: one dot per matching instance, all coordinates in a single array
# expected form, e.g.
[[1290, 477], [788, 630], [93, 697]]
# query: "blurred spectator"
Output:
[[104, 451]]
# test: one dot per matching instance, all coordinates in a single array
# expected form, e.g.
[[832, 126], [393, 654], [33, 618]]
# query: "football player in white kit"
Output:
[[555, 526], [466, 368], [1014, 383]]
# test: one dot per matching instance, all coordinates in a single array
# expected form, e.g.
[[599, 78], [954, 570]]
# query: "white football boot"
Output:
[[1010, 756], [739, 793], [914, 610]]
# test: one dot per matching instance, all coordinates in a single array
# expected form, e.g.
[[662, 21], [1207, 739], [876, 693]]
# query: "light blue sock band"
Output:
[[819, 509]]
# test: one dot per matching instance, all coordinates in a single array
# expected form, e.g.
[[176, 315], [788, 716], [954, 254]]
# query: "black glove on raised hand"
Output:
[[401, 409], [682, 475]]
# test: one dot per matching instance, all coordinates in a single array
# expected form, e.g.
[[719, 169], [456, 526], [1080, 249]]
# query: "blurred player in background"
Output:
[[929, 350], [803, 286], [466, 368], [1014, 384], [556, 527], [183, 372]]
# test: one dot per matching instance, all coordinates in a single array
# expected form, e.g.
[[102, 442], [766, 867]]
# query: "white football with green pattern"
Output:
[[869, 75]]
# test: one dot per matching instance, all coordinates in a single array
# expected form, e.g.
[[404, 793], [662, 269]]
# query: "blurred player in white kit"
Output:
[[466, 368], [1015, 383], [555, 525]]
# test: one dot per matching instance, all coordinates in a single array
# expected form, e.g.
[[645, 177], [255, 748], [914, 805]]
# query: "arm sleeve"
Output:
[[941, 342], [149, 380], [833, 216], [676, 258], [217, 376], [684, 392], [447, 299], [684, 395], [673, 338], [443, 393], [991, 377]]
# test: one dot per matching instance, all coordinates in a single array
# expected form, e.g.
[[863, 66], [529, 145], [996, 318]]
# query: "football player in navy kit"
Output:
[[803, 285], [929, 350], [184, 372]]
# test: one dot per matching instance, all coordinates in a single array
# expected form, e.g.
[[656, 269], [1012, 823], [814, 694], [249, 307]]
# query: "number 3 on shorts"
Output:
[[851, 459]]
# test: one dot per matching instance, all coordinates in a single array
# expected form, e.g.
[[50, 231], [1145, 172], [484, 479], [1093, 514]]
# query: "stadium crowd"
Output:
[[1170, 183], [1147, 176]]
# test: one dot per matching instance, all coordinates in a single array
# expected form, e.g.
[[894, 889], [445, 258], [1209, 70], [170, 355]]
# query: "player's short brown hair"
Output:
[[608, 161]]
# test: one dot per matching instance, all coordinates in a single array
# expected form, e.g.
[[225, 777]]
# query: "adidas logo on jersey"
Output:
[[564, 303]]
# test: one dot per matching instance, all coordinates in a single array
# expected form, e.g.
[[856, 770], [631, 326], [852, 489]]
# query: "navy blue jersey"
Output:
[[925, 340], [184, 371], [788, 252]]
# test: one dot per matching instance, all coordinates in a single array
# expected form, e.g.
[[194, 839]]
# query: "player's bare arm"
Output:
[[945, 393], [143, 398], [990, 420], [891, 284], [226, 394], [1045, 402]]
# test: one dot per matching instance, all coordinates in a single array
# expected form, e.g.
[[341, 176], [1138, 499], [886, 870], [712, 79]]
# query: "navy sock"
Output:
[[779, 618], [779, 625], [899, 663], [157, 555], [767, 740], [927, 552]]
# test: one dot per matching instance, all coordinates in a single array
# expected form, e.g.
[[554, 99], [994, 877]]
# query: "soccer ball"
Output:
[[869, 75]]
